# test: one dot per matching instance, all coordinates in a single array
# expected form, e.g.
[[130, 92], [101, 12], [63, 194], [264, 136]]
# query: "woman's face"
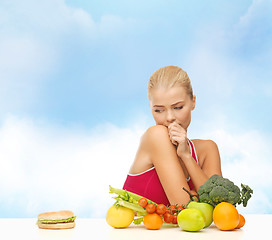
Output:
[[171, 105]]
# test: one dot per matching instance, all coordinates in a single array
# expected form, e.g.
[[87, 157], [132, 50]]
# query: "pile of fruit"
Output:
[[196, 215]]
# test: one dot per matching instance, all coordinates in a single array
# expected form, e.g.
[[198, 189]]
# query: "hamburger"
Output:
[[56, 220]]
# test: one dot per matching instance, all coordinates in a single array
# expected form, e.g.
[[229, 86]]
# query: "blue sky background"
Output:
[[73, 101]]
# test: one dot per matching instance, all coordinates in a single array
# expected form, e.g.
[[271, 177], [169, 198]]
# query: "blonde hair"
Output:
[[168, 77]]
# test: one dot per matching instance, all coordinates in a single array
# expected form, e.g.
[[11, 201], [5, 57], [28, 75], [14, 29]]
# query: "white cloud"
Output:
[[46, 168]]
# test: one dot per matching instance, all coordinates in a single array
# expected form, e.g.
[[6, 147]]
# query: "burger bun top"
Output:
[[64, 214]]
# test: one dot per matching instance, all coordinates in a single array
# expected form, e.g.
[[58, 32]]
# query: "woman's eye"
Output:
[[157, 110], [178, 108]]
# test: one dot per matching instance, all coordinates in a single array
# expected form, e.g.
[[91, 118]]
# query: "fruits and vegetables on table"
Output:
[[215, 202]]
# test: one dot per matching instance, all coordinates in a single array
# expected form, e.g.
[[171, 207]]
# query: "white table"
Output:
[[256, 227]]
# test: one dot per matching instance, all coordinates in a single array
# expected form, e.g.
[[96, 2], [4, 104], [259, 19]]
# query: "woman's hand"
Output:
[[178, 137]]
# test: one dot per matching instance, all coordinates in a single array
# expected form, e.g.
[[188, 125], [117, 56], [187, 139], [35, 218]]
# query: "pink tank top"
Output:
[[147, 183]]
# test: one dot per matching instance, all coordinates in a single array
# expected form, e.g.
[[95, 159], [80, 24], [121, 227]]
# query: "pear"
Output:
[[205, 208]]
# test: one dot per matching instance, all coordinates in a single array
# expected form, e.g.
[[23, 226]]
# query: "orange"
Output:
[[152, 221], [242, 221], [225, 216]]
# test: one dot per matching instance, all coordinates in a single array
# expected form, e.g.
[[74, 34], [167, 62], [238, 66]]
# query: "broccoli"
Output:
[[218, 189]]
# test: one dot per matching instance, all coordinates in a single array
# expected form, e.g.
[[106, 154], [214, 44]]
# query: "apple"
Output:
[[205, 208], [191, 220]]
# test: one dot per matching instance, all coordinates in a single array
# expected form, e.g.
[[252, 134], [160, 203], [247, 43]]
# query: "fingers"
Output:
[[177, 133], [176, 140], [176, 127], [172, 136]]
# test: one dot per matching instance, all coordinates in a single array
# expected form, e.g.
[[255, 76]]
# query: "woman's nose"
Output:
[[170, 117]]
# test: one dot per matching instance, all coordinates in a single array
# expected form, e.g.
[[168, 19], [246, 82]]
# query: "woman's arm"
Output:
[[207, 152], [209, 157], [164, 157]]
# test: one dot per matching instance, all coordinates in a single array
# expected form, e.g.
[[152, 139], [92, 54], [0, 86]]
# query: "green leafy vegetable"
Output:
[[245, 194], [218, 189]]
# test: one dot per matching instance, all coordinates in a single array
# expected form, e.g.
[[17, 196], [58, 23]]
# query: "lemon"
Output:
[[119, 217]]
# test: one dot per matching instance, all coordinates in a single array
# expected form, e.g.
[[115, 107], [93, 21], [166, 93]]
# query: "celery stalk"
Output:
[[122, 192], [131, 206], [127, 194]]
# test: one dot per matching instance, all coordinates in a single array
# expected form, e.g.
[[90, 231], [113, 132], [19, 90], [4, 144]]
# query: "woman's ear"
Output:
[[193, 102]]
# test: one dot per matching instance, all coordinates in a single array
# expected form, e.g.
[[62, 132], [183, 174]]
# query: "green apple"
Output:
[[191, 220], [205, 208]]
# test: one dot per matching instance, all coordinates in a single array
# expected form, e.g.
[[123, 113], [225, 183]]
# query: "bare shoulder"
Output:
[[206, 149], [153, 137], [156, 130], [154, 134], [204, 145]]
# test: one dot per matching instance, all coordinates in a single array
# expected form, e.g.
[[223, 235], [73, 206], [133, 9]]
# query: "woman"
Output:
[[166, 161]]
